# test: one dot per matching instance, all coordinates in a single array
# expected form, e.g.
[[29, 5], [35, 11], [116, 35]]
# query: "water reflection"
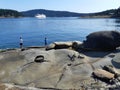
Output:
[[117, 24], [117, 20]]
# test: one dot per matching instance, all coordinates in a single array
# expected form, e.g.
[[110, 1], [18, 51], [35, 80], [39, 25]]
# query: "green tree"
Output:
[[117, 13], [9, 13]]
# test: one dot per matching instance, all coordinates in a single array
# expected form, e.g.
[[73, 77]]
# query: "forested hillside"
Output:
[[9, 13], [117, 13], [51, 13]]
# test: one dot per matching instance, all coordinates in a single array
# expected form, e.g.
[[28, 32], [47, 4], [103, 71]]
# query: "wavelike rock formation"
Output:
[[52, 69]]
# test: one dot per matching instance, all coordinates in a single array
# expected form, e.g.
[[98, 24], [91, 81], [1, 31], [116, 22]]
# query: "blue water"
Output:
[[33, 30]]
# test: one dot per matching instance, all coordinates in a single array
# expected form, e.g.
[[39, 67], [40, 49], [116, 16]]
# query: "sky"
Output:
[[80, 6]]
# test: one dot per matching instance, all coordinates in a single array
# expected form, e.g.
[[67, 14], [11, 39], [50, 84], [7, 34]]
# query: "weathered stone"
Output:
[[116, 61], [76, 45], [9, 86], [19, 67], [60, 69], [103, 74], [39, 58], [102, 40], [51, 46], [64, 45], [111, 69]]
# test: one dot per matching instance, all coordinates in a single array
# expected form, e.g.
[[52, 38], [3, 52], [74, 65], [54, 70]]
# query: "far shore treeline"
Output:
[[6, 13], [9, 13]]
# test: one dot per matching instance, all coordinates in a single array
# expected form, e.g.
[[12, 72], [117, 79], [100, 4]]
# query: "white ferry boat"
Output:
[[40, 16]]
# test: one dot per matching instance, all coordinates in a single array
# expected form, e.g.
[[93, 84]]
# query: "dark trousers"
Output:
[[21, 45]]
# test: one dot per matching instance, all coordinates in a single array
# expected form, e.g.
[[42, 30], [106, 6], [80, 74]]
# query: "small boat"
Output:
[[40, 16]]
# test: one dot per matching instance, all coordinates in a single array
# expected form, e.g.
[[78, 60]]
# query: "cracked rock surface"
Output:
[[61, 69]]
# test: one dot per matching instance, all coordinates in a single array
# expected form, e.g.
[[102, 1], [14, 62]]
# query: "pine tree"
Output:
[[117, 13]]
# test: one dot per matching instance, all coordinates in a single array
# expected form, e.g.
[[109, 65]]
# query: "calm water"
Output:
[[34, 30]]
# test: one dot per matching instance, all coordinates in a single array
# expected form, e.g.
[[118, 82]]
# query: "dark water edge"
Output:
[[34, 30]]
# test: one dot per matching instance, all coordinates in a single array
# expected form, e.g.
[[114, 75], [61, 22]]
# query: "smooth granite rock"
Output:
[[102, 40]]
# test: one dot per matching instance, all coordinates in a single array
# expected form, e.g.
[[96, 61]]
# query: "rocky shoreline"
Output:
[[60, 66], [59, 69]]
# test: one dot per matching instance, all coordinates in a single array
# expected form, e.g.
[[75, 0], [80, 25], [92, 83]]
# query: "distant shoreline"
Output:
[[98, 16], [10, 17]]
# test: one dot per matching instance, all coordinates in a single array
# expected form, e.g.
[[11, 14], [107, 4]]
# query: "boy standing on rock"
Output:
[[21, 43], [45, 41]]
